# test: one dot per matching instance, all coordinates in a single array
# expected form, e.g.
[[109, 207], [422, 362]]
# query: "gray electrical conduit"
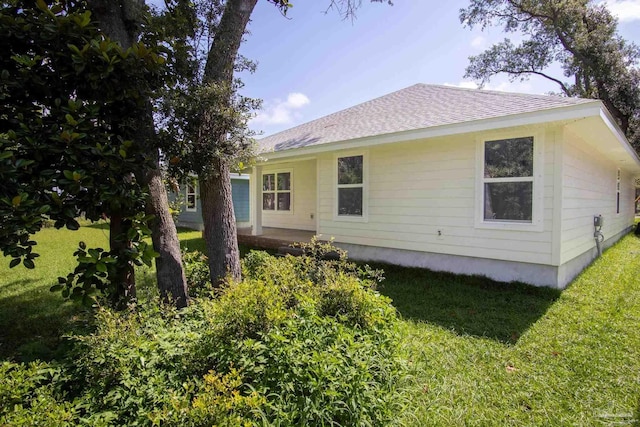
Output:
[[599, 238]]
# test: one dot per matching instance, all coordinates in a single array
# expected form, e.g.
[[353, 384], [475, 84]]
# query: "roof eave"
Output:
[[611, 123], [571, 112]]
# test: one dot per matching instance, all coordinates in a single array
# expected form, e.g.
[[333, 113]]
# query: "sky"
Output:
[[312, 62]]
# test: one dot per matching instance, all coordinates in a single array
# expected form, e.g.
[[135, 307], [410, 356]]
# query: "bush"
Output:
[[29, 396], [196, 271], [300, 341]]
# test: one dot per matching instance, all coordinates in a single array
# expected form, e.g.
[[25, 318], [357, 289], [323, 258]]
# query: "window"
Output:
[[618, 193], [507, 180], [192, 191], [276, 191], [351, 186]]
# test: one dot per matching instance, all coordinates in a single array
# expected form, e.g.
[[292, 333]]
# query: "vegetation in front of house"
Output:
[[476, 352], [299, 341]]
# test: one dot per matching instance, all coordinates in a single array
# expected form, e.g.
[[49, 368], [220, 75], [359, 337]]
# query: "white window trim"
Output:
[[537, 214], [195, 196], [261, 183], [365, 186]]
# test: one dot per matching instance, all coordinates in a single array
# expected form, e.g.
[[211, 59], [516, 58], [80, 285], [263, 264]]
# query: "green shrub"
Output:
[[196, 271], [299, 341], [29, 396]]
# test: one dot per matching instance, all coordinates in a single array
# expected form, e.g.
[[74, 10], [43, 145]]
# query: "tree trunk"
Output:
[[124, 279], [215, 188], [172, 282], [118, 20], [220, 224]]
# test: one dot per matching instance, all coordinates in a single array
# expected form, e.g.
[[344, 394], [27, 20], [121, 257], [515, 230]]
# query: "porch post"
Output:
[[255, 201]]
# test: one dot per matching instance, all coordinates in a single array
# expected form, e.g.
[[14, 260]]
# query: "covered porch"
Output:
[[273, 238], [283, 203]]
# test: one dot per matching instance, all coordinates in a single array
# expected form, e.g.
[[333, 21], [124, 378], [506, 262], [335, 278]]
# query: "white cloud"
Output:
[[479, 42], [624, 10], [297, 100], [280, 112]]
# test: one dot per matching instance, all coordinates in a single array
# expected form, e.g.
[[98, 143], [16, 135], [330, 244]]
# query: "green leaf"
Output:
[[21, 163], [86, 19], [101, 267], [29, 264], [42, 5], [72, 224], [87, 301], [71, 120], [56, 288], [82, 245], [14, 262], [68, 174]]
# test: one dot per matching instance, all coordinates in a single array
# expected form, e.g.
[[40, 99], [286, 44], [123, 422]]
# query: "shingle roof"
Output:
[[416, 107]]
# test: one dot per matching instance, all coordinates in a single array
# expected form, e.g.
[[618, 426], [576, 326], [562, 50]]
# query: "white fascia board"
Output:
[[268, 161], [233, 175], [537, 117], [611, 123]]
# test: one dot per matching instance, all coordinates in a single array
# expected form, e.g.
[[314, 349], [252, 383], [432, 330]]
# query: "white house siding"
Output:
[[417, 189], [589, 189], [302, 217]]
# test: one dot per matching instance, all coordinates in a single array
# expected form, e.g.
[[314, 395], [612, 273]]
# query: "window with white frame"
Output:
[[508, 180], [276, 191], [191, 196], [351, 186], [618, 193]]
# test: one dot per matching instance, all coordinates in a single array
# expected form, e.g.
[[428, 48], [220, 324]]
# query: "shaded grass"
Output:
[[191, 240], [467, 305], [32, 319], [577, 365]]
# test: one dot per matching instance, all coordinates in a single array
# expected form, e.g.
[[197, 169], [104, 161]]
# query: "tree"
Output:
[[217, 208], [579, 35], [122, 21], [70, 99]]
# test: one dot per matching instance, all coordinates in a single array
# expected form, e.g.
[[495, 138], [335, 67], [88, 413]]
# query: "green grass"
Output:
[[485, 354], [478, 352], [32, 319]]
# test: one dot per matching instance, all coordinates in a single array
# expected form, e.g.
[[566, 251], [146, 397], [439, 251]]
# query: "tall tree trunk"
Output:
[[215, 188], [172, 281], [124, 279], [220, 224], [118, 20]]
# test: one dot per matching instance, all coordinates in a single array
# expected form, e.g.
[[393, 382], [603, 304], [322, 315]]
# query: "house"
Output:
[[469, 181], [191, 213]]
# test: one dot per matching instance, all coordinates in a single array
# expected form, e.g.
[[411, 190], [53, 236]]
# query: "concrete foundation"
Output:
[[503, 271]]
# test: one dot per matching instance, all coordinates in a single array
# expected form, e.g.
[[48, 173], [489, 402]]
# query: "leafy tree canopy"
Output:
[[580, 35], [69, 99]]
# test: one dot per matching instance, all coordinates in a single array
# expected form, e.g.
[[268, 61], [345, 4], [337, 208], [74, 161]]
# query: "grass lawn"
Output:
[[487, 354], [478, 352]]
